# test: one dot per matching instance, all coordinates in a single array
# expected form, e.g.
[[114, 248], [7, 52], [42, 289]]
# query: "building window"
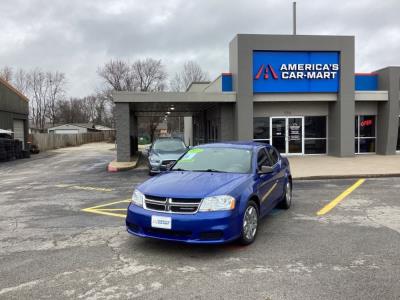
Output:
[[315, 135], [398, 137], [365, 134], [261, 129]]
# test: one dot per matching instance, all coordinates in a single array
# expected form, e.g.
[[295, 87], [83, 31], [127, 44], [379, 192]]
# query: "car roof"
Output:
[[168, 138], [235, 144]]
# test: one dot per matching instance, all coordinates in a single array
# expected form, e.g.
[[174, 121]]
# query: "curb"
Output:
[[355, 176], [115, 166]]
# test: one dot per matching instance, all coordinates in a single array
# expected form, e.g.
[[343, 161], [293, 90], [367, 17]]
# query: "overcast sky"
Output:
[[78, 36]]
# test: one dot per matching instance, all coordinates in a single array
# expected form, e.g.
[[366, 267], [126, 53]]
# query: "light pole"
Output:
[[294, 18]]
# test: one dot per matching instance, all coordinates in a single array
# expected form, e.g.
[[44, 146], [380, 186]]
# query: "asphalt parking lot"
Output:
[[62, 236]]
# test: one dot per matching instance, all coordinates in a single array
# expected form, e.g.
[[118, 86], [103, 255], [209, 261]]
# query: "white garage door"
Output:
[[19, 133], [66, 131]]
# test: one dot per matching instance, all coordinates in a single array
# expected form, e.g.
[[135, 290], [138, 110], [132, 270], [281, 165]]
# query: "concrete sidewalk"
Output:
[[368, 165]]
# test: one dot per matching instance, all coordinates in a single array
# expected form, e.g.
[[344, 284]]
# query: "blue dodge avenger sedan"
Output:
[[215, 193]]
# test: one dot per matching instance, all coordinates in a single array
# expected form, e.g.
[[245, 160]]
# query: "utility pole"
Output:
[[294, 18]]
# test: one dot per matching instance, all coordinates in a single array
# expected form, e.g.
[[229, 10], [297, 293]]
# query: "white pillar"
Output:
[[188, 130]]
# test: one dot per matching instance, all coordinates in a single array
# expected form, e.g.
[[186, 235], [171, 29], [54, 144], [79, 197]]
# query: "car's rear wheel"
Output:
[[250, 223], [286, 201]]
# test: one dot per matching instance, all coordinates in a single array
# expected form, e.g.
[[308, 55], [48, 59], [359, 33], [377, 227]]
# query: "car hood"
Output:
[[164, 155], [184, 184]]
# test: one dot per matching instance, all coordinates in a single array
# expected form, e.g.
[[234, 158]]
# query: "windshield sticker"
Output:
[[197, 150], [191, 154]]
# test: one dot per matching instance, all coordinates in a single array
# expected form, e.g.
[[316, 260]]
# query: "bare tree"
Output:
[[149, 74], [191, 72], [21, 81], [72, 110], [45, 90], [104, 108], [38, 88], [176, 84], [55, 92], [146, 75], [6, 73], [95, 108], [118, 75]]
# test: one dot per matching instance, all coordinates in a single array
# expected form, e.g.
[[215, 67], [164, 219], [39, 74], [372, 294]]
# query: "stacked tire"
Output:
[[11, 150], [18, 149], [3, 154]]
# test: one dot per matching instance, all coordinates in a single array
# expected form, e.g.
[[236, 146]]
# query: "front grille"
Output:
[[211, 235], [172, 205], [167, 162], [168, 233]]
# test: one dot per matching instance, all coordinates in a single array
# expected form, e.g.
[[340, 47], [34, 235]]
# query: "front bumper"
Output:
[[154, 167], [157, 167], [199, 228]]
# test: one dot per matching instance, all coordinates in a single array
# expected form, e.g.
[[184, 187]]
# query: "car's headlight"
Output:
[[154, 159], [137, 198], [214, 203]]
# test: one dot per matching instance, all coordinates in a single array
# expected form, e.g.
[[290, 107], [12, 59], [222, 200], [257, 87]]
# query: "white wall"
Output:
[[67, 129], [188, 130]]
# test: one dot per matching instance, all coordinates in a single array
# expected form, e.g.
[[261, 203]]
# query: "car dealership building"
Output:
[[298, 93]]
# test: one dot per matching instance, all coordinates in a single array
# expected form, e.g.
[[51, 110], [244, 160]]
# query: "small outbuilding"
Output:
[[73, 128]]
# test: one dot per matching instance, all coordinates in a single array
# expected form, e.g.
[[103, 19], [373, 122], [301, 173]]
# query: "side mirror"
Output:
[[147, 150], [265, 170]]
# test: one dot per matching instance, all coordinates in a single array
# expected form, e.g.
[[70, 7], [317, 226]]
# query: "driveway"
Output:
[[62, 236]]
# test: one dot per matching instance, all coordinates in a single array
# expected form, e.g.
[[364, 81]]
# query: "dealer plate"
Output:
[[161, 222]]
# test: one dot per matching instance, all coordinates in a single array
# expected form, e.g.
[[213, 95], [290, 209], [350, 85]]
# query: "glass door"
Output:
[[279, 134], [287, 134], [295, 135]]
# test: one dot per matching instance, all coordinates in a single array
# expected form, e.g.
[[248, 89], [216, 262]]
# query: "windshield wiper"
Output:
[[210, 170], [179, 169]]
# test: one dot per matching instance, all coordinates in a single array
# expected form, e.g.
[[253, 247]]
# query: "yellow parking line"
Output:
[[103, 213], [111, 203], [102, 210], [327, 208], [112, 209], [87, 188]]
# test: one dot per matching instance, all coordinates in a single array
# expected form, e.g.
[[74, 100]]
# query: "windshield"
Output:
[[215, 160], [169, 145]]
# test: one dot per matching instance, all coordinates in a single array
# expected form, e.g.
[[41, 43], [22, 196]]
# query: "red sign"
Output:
[[366, 123]]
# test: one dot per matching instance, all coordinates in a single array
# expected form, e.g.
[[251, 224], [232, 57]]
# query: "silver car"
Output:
[[164, 152]]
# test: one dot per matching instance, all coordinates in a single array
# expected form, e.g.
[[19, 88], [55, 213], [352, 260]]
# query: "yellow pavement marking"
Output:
[[111, 203], [327, 208], [112, 209], [101, 210], [87, 188]]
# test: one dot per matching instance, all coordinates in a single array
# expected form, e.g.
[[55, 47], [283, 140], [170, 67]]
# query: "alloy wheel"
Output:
[[288, 193], [250, 223]]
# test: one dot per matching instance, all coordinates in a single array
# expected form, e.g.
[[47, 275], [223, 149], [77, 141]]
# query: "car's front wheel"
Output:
[[286, 201], [250, 223]]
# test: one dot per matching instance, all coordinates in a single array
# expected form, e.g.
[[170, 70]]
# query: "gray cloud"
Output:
[[77, 36]]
